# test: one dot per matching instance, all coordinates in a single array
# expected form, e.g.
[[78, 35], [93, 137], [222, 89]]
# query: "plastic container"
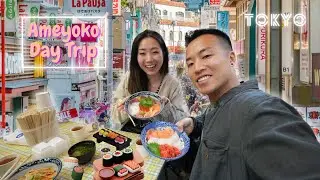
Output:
[[59, 145], [42, 133], [42, 150]]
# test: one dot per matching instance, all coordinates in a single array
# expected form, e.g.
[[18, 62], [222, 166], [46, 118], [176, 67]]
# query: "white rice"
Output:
[[134, 108], [174, 140]]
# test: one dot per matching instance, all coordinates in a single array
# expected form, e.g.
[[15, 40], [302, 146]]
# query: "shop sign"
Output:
[[68, 114], [304, 65], [116, 7], [262, 49], [313, 116], [316, 77], [10, 15], [214, 2], [118, 60], [223, 21], [91, 8], [85, 8], [29, 9]]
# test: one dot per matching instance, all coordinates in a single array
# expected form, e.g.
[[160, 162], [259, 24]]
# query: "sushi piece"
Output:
[[119, 140], [106, 173], [112, 135], [131, 166], [101, 132], [120, 170], [118, 157], [105, 134], [128, 154], [77, 173], [124, 138], [107, 160]]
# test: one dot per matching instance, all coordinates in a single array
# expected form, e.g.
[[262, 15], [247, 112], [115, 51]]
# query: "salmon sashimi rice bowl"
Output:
[[144, 107], [164, 142]]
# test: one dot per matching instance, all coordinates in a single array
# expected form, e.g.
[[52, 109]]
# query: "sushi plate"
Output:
[[162, 124], [53, 163], [153, 95]]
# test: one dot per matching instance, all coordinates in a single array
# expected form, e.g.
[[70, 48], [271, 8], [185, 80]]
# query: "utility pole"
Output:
[[110, 53], [3, 77]]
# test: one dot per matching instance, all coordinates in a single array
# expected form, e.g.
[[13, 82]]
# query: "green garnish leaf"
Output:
[[154, 148], [146, 102]]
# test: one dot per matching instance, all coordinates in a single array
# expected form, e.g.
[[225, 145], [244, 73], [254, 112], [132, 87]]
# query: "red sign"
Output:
[[118, 60], [116, 7], [68, 114], [214, 2], [85, 38]]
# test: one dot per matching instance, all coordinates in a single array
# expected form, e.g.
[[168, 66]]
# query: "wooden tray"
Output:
[[97, 166], [112, 142]]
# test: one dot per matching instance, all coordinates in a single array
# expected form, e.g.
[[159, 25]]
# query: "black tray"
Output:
[[110, 141]]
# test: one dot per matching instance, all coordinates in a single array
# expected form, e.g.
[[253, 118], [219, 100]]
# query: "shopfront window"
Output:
[[171, 35], [164, 34]]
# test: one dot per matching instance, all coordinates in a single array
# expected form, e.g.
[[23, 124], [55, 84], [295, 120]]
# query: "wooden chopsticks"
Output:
[[10, 172]]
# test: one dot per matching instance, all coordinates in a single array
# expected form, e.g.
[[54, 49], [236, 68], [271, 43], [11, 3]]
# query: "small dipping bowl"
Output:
[[104, 151], [106, 173], [86, 156], [6, 162]]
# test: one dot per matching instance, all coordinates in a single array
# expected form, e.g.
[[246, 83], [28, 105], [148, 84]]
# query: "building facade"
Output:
[[175, 22]]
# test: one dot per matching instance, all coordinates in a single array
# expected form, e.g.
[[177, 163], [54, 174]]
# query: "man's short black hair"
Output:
[[223, 37]]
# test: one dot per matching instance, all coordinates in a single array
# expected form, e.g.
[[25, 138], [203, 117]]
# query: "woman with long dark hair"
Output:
[[149, 67]]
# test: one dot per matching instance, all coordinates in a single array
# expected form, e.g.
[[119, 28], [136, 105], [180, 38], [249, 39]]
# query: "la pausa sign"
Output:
[[66, 34], [88, 3]]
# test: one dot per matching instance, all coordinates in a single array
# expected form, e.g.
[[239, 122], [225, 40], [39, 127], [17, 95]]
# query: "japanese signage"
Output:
[[262, 41], [316, 76], [304, 65], [116, 7], [209, 15], [214, 2], [10, 15], [313, 116], [49, 12], [223, 21], [27, 9], [90, 8], [84, 8]]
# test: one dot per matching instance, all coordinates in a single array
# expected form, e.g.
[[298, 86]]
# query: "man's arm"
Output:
[[278, 144]]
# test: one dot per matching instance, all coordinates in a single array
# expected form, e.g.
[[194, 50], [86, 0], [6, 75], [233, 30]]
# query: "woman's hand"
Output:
[[120, 104], [186, 125], [164, 100]]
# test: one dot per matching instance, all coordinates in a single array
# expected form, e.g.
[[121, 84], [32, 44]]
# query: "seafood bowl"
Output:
[[163, 140], [144, 105]]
